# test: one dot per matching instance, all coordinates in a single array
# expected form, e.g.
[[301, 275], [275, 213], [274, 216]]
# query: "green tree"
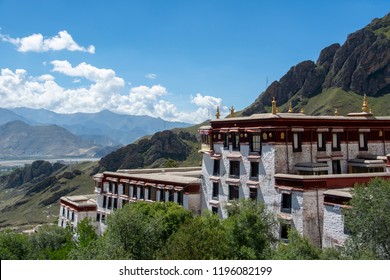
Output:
[[51, 242], [14, 246], [85, 233], [250, 229], [368, 220], [297, 248], [202, 238], [140, 229]]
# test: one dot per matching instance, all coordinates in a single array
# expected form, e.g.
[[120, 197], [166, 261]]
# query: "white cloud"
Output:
[[106, 91], [151, 76], [37, 43]]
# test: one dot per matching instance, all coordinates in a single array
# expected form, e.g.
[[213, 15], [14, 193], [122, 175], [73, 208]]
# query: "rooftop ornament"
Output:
[[217, 114]]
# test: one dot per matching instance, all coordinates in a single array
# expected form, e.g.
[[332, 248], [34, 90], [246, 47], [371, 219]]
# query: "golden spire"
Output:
[[290, 109], [232, 112], [336, 112], [302, 111], [364, 108], [274, 109], [217, 114]]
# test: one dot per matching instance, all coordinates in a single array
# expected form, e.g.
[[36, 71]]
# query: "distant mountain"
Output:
[[105, 127], [18, 139], [9, 116], [339, 78]]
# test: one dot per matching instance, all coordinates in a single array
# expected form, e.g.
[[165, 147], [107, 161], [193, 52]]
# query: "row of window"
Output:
[[255, 141], [68, 214], [234, 193], [321, 141], [140, 193], [234, 168]]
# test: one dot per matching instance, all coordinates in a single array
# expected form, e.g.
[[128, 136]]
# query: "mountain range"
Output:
[[339, 78], [37, 132]]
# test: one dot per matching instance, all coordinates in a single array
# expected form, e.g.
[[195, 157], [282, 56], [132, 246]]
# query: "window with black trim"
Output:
[[214, 209], [286, 202], [109, 204], [162, 195], [109, 186], [171, 196], [226, 140], [234, 168], [255, 142], [135, 191], [180, 197], [254, 169], [98, 217], [115, 203], [297, 142], [216, 168], [321, 141], [142, 193], [363, 141], [126, 189], [233, 192], [104, 201], [253, 193], [336, 167], [336, 141], [235, 141], [284, 230], [215, 190], [115, 188]]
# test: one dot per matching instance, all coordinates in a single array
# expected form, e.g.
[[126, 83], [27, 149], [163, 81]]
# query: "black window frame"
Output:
[[253, 193], [234, 192], [226, 141], [336, 167], [336, 146], [254, 172], [297, 148], [323, 140], [235, 141], [215, 192], [252, 143], [286, 203], [234, 169], [217, 167], [365, 141]]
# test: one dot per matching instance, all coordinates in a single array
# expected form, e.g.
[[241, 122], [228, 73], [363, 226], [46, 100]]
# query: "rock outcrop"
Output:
[[361, 65]]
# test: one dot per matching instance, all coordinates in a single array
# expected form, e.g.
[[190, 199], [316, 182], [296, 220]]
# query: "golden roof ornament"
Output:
[[364, 107], [302, 111], [336, 112], [232, 112], [290, 109], [274, 109], [217, 114]]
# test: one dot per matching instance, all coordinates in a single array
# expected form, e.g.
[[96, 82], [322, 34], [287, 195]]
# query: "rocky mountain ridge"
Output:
[[361, 65]]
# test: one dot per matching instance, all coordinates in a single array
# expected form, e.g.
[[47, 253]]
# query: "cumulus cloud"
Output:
[[37, 43], [106, 91], [151, 76]]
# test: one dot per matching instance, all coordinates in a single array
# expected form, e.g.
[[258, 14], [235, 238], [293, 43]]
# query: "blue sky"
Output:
[[172, 59]]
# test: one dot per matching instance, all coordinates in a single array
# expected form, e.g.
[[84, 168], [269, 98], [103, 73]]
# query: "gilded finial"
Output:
[[232, 112], [302, 111], [336, 112], [217, 114], [364, 108], [274, 109], [290, 109]]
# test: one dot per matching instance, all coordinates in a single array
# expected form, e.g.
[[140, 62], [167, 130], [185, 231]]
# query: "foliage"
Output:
[[202, 238], [14, 246], [141, 229], [250, 228], [368, 219], [297, 248], [51, 243]]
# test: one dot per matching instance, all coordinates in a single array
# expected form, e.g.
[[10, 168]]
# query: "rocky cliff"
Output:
[[361, 65]]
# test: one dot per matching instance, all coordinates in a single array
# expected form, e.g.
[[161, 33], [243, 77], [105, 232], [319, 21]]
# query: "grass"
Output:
[[32, 212]]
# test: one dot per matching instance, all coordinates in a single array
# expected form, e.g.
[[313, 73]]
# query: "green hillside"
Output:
[[36, 201]]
